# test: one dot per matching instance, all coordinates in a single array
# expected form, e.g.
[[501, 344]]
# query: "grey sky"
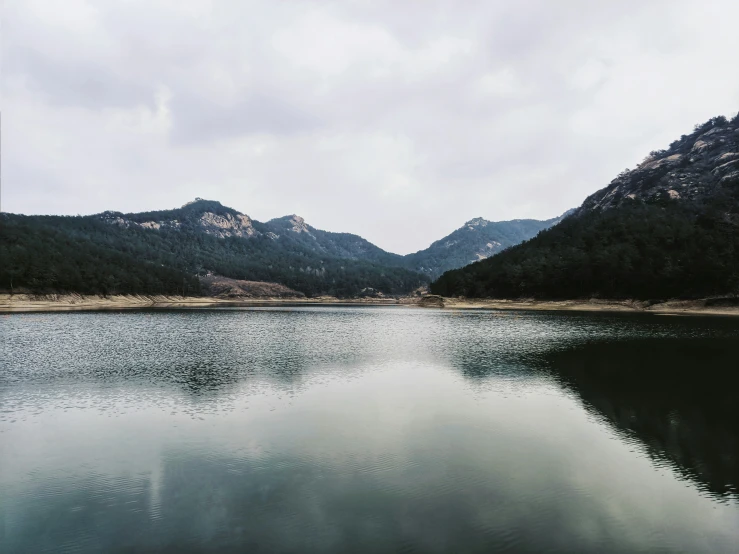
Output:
[[394, 120]]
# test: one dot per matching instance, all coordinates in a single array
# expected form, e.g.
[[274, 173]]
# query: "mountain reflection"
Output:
[[367, 430], [677, 398]]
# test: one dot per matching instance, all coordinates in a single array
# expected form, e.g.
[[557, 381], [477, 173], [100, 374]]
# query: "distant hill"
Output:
[[667, 229], [166, 252], [340, 245], [476, 240], [171, 252]]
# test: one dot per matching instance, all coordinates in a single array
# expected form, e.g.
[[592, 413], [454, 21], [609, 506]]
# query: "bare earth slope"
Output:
[[217, 286]]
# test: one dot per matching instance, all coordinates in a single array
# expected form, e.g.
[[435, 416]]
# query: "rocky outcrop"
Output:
[[211, 217], [228, 225], [691, 169], [299, 225], [114, 218]]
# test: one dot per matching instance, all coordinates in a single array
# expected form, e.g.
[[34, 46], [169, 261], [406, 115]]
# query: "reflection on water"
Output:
[[367, 430], [676, 397]]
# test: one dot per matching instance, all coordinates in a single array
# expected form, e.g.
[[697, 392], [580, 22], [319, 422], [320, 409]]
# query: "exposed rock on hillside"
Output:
[[691, 169], [299, 225], [667, 229], [211, 217], [228, 225], [116, 218]]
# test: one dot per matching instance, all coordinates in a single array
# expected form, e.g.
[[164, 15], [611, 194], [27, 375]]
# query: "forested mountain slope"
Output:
[[669, 228], [166, 251]]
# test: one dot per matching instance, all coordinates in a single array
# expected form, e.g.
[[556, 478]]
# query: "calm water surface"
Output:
[[368, 429]]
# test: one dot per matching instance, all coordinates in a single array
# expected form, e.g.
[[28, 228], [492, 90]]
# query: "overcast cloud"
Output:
[[394, 120]]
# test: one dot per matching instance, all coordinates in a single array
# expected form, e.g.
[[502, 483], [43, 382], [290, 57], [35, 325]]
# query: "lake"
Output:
[[368, 429]]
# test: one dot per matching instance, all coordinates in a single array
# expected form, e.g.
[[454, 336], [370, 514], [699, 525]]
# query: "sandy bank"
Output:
[[670, 307], [77, 302]]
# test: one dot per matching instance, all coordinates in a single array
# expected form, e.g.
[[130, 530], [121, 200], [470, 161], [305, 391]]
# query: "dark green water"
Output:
[[325, 429]]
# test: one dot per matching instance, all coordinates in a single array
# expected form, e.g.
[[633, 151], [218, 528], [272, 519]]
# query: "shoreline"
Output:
[[669, 307], [20, 303]]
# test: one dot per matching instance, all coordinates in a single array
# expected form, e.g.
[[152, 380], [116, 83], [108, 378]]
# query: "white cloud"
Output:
[[396, 121]]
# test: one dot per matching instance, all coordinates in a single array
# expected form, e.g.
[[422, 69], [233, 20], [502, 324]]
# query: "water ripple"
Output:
[[367, 429]]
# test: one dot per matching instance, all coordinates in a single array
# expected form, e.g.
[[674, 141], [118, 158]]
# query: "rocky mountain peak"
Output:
[[477, 222], [298, 224], [191, 202], [293, 223], [476, 240], [694, 167], [202, 203], [210, 215]]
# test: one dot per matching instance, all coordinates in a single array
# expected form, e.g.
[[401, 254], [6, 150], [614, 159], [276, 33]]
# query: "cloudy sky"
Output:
[[395, 120]]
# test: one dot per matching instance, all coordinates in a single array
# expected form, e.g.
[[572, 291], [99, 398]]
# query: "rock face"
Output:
[[691, 169], [299, 225], [211, 217], [229, 225], [115, 218]]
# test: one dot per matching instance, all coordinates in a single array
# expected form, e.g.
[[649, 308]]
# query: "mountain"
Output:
[[172, 251], [167, 252], [476, 240], [340, 245], [215, 219], [695, 169], [667, 229]]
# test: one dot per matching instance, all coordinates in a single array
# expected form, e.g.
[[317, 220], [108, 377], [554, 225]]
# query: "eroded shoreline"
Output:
[[670, 307], [78, 302], [20, 303]]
